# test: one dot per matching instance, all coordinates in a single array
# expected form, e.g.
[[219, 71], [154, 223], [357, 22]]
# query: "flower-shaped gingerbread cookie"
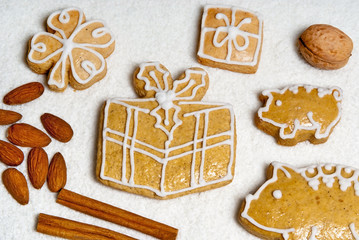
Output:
[[72, 51]]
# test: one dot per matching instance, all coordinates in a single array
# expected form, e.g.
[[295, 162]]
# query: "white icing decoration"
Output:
[[250, 198], [328, 167], [165, 97], [232, 33], [329, 179], [311, 170], [334, 91], [68, 45], [314, 232], [353, 231], [313, 182], [277, 194], [64, 17], [278, 103]]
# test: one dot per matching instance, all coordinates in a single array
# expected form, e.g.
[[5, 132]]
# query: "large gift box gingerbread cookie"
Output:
[[167, 143], [231, 39]]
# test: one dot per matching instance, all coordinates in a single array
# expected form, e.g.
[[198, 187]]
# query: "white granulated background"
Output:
[[167, 31]]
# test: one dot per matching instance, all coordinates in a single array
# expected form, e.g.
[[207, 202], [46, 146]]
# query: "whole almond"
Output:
[[15, 183], [57, 175], [23, 94], [57, 127], [325, 46], [9, 117], [10, 154], [25, 135], [37, 166]]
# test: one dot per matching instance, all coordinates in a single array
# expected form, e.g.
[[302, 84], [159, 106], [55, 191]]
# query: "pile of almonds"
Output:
[[25, 135]]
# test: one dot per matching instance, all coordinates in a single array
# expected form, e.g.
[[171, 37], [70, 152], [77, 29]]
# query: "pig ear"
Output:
[[279, 169], [192, 85], [150, 78]]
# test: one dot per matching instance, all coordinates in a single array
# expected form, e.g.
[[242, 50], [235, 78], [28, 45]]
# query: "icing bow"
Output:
[[152, 80], [232, 32], [72, 49]]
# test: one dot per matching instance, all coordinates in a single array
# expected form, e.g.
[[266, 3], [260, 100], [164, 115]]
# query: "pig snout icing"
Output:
[[301, 108], [316, 202]]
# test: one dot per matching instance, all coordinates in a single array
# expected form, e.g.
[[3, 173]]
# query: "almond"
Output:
[[57, 127], [9, 117], [23, 94], [25, 135], [57, 175], [37, 166], [16, 185], [10, 154]]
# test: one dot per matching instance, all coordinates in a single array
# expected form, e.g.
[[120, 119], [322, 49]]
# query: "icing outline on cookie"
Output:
[[232, 33], [335, 91], [174, 101], [314, 182], [68, 45]]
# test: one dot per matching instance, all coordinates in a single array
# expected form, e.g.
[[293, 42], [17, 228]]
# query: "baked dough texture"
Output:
[[72, 51], [231, 39], [318, 202], [299, 113], [167, 143]]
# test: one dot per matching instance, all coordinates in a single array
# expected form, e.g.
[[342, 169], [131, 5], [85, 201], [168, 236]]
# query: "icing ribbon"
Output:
[[232, 32], [227, 34]]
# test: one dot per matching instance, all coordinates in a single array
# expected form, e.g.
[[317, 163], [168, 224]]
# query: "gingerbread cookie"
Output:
[[316, 202], [231, 39], [299, 113], [72, 51], [167, 143]]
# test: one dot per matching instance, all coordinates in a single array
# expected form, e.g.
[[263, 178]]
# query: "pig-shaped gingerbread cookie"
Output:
[[319, 202], [299, 113]]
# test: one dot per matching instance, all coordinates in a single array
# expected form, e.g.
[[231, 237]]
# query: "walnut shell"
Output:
[[325, 46]]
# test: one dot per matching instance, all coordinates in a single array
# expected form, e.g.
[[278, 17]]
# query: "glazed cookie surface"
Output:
[[231, 39], [299, 113], [167, 143], [73, 51], [315, 202]]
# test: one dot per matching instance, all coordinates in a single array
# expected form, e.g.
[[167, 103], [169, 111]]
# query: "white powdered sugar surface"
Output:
[[168, 32]]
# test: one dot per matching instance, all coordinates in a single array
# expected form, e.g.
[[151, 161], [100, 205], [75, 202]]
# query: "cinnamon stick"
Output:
[[65, 228], [116, 215]]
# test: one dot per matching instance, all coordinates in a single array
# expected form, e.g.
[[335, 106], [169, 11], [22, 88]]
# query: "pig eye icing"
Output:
[[278, 103], [277, 194]]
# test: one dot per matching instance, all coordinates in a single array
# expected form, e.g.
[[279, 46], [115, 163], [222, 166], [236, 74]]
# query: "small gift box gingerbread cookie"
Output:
[[299, 113], [316, 202], [231, 39], [167, 143], [72, 51]]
